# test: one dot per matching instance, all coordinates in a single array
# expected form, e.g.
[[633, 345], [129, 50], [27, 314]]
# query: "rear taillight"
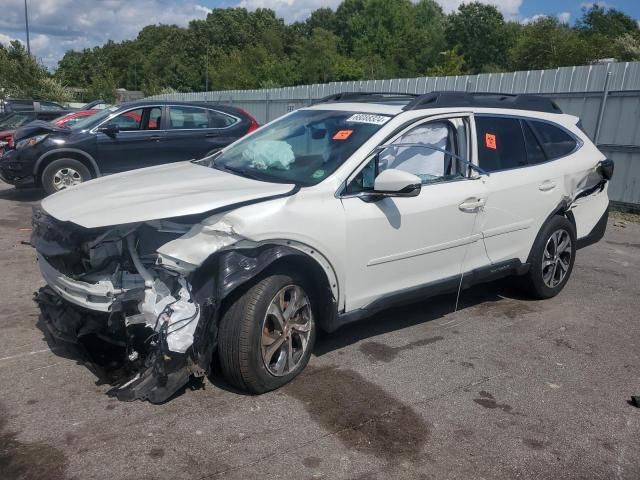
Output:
[[253, 125]]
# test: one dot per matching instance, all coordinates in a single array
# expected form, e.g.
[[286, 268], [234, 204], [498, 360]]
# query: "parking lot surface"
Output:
[[504, 387]]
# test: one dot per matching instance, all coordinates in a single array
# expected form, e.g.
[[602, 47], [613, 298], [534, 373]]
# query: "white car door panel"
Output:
[[521, 196], [399, 243], [516, 209]]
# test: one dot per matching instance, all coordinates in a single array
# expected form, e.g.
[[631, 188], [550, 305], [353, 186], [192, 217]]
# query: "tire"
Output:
[[63, 173], [550, 267], [247, 328]]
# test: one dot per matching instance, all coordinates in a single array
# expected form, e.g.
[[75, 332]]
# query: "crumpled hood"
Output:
[[36, 127], [165, 191]]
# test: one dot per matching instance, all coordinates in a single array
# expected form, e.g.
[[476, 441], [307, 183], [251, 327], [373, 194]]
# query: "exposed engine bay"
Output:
[[115, 283]]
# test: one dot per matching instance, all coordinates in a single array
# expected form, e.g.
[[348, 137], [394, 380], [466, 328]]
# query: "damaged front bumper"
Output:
[[98, 284]]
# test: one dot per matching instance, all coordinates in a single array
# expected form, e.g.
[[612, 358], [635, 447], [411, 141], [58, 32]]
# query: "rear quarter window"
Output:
[[555, 141]]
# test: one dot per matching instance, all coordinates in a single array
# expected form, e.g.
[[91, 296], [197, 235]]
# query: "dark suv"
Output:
[[20, 105], [126, 137]]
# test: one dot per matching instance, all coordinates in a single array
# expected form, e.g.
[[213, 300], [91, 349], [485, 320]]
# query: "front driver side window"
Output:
[[429, 151]]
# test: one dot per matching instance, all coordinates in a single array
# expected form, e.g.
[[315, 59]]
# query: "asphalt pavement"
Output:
[[503, 388]]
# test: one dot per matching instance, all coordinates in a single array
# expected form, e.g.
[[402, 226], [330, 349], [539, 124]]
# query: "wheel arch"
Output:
[[235, 269], [74, 153], [563, 210]]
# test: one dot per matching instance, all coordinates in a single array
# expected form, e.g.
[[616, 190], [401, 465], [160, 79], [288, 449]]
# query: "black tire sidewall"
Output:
[[49, 171], [254, 373], [536, 283]]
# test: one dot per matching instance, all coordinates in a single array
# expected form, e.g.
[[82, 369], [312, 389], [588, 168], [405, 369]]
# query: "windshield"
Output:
[[89, 122], [15, 120], [302, 148]]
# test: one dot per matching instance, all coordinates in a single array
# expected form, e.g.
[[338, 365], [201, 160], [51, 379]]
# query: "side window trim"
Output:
[[210, 111], [579, 142], [466, 117], [132, 109], [550, 158], [165, 112]]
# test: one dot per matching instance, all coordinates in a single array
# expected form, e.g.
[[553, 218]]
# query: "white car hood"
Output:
[[154, 193]]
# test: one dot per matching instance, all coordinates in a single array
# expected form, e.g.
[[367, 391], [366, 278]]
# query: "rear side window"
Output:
[[188, 118], [535, 153], [220, 120], [555, 141], [500, 143]]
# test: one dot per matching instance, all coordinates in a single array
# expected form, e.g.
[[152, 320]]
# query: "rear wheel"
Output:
[[64, 173], [552, 258], [266, 335]]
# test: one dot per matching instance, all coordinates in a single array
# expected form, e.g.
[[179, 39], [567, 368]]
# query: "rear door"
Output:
[[139, 143], [192, 132], [523, 188]]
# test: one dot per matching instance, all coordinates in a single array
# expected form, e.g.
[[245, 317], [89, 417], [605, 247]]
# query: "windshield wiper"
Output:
[[242, 172]]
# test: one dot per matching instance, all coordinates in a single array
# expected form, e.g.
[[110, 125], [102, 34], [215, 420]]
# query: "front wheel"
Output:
[[64, 173], [266, 335], [552, 258]]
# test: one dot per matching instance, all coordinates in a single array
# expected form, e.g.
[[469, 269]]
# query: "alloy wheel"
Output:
[[66, 177], [286, 329], [557, 258]]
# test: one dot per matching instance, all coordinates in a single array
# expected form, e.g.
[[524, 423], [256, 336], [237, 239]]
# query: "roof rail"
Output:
[[372, 97], [486, 100]]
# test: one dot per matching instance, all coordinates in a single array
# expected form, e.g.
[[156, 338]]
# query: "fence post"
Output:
[[603, 104], [266, 107]]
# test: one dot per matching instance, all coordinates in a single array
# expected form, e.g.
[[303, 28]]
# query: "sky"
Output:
[[60, 25]]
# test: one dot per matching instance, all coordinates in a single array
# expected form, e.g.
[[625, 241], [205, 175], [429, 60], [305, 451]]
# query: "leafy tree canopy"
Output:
[[233, 48]]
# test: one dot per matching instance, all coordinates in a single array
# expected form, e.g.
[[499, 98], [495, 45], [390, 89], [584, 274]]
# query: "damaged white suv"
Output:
[[320, 218]]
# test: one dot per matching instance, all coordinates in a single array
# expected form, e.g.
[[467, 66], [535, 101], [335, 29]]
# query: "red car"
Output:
[[18, 119]]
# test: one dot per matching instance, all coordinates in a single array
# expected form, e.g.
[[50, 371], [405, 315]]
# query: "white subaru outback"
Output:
[[320, 218]]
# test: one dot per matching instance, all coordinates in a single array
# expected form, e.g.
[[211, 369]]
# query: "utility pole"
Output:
[[26, 21], [206, 70]]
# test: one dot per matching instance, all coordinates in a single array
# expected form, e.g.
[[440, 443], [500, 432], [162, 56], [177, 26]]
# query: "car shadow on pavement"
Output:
[[428, 310], [22, 195]]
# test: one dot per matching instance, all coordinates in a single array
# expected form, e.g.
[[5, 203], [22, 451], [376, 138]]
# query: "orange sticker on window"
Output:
[[490, 140], [342, 134]]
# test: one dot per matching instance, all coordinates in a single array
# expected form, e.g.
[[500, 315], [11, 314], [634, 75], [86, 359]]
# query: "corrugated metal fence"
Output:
[[606, 97]]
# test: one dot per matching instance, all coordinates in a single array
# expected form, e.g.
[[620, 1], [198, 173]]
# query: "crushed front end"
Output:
[[111, 283]]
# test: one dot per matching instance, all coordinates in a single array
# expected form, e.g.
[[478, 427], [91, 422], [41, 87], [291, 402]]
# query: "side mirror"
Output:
[[397, 183], [110, 129]]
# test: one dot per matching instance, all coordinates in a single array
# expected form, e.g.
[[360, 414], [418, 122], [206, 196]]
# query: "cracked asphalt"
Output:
[[503, 388]]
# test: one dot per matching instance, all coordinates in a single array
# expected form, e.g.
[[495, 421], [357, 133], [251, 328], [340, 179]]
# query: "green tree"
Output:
[[480, 34], [547, 43], [451, 63], [610, 23], [21, 76]]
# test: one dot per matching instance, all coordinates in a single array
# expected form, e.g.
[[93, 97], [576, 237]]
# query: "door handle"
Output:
[[472, 204], [155, 138], [546, 186]]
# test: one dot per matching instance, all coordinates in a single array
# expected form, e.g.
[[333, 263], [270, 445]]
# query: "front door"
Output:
[[396, 244], [139, 143]]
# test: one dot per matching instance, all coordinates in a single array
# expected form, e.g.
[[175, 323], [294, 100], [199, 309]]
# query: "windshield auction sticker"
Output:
[[368, 118], [342, 134]]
